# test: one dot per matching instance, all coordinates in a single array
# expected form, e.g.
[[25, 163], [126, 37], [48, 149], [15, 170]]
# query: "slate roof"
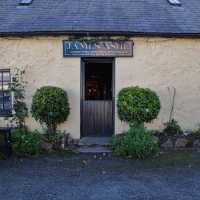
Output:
[[100, 16]]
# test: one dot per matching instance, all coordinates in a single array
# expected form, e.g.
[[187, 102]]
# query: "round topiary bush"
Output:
[[50, 106], [137, 105]]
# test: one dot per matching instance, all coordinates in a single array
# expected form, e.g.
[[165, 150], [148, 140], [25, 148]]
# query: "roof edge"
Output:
[[100, 33]]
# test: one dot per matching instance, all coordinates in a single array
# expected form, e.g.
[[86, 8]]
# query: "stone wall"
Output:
[[188, 141]]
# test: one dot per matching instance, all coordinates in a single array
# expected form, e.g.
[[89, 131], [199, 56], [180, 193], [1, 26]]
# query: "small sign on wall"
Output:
[[78, 48]]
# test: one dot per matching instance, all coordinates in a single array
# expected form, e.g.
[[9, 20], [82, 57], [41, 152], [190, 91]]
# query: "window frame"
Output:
[[4, 112]]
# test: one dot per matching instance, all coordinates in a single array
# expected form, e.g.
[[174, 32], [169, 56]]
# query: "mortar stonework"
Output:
[[158, 63]]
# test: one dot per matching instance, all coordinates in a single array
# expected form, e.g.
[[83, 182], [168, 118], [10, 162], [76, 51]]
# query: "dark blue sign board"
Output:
[[78, 48]]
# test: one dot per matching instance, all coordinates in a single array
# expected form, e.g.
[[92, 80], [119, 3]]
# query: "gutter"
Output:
[[100, 33]]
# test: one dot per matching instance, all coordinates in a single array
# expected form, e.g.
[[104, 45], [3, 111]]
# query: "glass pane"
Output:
[[5, 86], [1, 74], [7, 94], [7, 106], [1, 107], [6, 76], [98, 81], [7, 101], [1, 94]]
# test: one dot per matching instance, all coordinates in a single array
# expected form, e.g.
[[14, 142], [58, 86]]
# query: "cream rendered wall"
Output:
[[42, 58], [159, 63]]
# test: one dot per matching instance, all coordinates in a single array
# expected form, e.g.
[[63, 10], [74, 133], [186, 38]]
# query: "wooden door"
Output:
[[97, 102]]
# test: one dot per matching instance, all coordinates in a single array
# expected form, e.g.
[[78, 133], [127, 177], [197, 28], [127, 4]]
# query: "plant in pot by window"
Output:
[[136, 106], [50, 106]]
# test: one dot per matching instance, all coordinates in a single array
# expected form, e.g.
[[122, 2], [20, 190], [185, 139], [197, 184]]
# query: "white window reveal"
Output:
[[25, 2], [175, 2]]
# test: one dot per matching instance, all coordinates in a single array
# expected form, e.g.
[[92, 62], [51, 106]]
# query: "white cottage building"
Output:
[[92, 49]]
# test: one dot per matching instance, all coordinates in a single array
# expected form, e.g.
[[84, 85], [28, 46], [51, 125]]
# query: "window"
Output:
[[5, 94], [98, 81], [175, 2], [25, 2]]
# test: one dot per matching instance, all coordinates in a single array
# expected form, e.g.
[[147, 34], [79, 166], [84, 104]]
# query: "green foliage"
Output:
[[195, 134], [138, 143], [2, 157], [17, 86], [50, 106], [172, 128], [137, 105], [25, 142], [54, 139]]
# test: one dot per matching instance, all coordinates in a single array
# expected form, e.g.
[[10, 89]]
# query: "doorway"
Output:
[[97, 97]]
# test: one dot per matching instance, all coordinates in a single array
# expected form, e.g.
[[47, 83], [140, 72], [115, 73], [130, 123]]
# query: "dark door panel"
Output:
[[97, 103], [97, 118]]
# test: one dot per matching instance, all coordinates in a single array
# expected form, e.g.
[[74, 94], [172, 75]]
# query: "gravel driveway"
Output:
[[90, 177]]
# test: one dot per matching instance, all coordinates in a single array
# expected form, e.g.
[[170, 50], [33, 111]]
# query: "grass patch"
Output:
[[65, 152], [174, 159]]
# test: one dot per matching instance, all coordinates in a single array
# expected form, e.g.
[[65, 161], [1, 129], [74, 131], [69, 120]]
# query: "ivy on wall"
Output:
[[17, 87]]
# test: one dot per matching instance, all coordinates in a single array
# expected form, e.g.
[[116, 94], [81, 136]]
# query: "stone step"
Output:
[[95, 141], [94, 149]]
